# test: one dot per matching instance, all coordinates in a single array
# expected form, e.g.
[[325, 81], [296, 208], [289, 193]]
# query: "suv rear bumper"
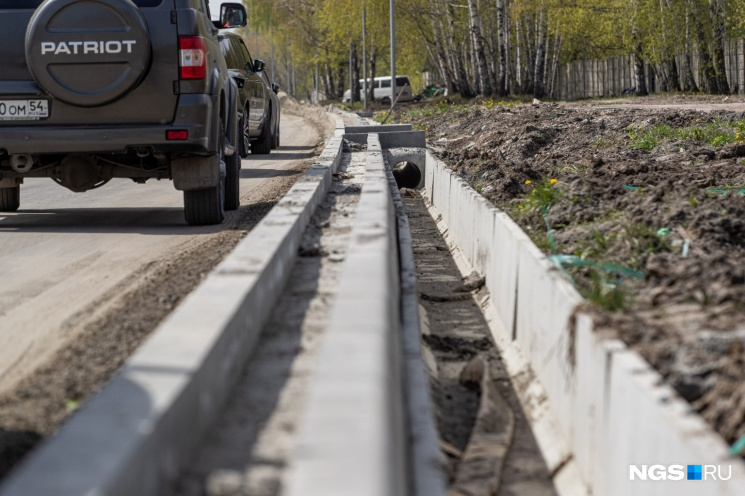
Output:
[[193, 114]]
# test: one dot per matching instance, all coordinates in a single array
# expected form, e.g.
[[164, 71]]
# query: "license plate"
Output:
[[23, 110]]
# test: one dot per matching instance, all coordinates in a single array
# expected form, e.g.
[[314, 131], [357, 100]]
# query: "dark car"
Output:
[[274, 87], [91, 90], [254, 101]]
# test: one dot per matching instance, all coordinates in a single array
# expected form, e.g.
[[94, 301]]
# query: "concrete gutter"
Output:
[[426, 474], [141, 429], [596, 406], [352, 431], [368, 429]]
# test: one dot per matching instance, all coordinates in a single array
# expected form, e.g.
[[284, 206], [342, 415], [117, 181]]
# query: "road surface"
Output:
[[66, 259]]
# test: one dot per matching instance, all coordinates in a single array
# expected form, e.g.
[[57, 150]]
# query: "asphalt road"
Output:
[[64, 256]]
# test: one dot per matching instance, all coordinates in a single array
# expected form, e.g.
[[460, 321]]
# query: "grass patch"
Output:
[[716, 133], [420, 117], [542, 195], [608, 294]]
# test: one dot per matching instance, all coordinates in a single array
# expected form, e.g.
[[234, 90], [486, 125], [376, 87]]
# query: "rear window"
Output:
[[230, 59], [402, 81], [32, 4]]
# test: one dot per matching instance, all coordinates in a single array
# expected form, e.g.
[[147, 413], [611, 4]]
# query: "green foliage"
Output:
[[642, 139], [643, 241], [717, 133], [435, 35], [542, 196], [421, 116], [606, 293]]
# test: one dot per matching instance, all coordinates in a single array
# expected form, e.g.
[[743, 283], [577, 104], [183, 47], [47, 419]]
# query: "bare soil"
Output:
[[675, 214]]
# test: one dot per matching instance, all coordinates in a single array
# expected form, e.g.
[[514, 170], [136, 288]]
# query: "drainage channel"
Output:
[[252, 442], [483, 433], [314, 317]]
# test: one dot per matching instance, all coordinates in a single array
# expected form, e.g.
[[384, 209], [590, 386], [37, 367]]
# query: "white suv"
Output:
[[382, 89]]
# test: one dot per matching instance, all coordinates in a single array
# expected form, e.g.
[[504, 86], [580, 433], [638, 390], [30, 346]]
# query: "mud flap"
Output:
[[10, 182], [197, 172]]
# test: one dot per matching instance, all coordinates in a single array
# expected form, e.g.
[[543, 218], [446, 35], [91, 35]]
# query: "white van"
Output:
[[382, 89]]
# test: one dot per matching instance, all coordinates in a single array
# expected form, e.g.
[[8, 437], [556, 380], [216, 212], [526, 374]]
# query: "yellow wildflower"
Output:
[[553, 181], [528, 181]]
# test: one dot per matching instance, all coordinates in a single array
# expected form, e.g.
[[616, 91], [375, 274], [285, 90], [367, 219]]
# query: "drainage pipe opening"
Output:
[[407, 175]]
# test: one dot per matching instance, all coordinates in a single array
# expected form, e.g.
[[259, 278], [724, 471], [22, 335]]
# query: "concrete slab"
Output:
[[352, 433], [388, 128]]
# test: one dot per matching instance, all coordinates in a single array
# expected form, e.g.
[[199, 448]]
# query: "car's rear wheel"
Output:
[[263, 145], [10, 199], [204, 207], [275, 140], [244, 142]]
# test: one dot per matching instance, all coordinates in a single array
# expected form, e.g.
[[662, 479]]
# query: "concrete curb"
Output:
[[427, 477], [140, 430], [606, 408], [368, 427], [352, 429]]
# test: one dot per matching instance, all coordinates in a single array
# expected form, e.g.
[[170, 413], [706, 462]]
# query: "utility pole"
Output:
[[351, 75], [393, 55], [271, 40], [317, 96], [364, 58]]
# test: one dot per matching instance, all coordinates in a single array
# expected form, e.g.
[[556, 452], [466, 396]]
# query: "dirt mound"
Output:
[[645, 210]]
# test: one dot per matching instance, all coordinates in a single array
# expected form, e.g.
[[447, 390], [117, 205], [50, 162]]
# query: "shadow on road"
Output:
[[296, 147], [283, 156], [248, 172], [149, 221]]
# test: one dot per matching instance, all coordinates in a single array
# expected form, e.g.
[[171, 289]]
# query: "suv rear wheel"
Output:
[[244, 141], [263, 145], [10, 199], [275, 140], [203, 207]]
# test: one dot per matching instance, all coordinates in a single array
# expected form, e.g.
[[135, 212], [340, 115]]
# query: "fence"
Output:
[[610, 77]]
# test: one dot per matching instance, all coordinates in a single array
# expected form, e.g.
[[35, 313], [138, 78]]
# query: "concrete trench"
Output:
[[362, 421]]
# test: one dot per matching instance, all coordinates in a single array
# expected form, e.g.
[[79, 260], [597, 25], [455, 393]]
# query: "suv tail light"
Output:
[[192, 57]]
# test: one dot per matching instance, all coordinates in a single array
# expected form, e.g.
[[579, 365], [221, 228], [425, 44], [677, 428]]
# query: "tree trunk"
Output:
[[555, 65], [669, 65], [501, 89], [371, 76], [461, 83], [690, 81], [355, 96], [482, 68], [639, 79], [518, 58], [717, 51], [342, 76], [529, 52], [707, 66], [673, 76], [539, 73], [440, 55]]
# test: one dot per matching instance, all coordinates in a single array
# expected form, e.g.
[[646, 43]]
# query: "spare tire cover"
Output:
[[88, 52]]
